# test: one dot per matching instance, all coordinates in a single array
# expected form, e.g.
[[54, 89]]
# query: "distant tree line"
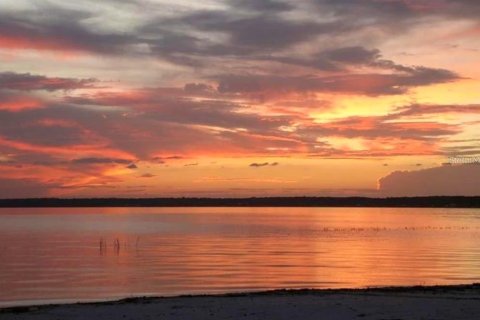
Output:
[[416, 202]]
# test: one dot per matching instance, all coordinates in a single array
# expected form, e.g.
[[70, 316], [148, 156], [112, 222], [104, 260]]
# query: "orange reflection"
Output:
[[96, 253]]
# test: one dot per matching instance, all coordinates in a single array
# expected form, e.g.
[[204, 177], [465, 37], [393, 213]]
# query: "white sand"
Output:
[[458, 302]]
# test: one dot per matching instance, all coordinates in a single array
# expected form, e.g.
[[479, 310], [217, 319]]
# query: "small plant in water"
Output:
[[102, 246], [116, 245]]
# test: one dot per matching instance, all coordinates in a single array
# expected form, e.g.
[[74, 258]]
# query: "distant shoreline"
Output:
[[394, 202], [413, 302]]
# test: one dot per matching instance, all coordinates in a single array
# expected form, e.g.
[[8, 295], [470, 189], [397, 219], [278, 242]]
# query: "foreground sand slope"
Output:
[[458, 302]]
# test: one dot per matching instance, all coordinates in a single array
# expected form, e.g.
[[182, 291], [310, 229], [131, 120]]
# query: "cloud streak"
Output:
[[29, 82], [263, 164]]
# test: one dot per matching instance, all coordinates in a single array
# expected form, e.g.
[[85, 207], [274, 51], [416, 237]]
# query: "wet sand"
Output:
[[439, 302]]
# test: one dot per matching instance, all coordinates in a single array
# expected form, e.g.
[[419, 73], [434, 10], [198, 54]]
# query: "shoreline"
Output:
[[396, 302]]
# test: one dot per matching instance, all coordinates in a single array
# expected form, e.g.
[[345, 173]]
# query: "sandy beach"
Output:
[[439, 302]]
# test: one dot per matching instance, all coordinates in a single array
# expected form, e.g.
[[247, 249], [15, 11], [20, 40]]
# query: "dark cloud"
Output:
[[352, 55], [191, 164], [344, 59], [448, 180], [250, 28], [168, 128], [132, 166], [53, 28], [367, 84], [164, 159], [382, 126], [425, 109], [261, 31], [199, 88], [147, 175], [29, 82], [422, 76], [398, 80], [42, 127], [88, 161], [248, 35], [158, 160], [256, 165], [337, 59], [177, 48], [376, 9], [391, 13], [215, 113], [263, 164], [465, 8], [267, 33], [262, 5], [183, 110]]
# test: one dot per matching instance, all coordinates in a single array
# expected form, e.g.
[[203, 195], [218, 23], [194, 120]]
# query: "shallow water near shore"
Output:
[[85, 254]]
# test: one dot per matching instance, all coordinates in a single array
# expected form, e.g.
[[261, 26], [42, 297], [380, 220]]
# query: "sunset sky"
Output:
[[142, 98]]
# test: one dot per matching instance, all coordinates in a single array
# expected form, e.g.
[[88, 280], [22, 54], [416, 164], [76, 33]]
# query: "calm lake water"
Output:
[[63, 255]]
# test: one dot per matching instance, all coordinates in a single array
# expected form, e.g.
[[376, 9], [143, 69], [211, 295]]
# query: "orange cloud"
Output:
[[74, 150], [19, 103]]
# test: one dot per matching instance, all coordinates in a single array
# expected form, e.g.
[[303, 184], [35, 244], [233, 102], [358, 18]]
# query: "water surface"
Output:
[[72, 254]]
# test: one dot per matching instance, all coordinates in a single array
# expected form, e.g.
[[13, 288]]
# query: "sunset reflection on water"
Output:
[[58, 255]]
